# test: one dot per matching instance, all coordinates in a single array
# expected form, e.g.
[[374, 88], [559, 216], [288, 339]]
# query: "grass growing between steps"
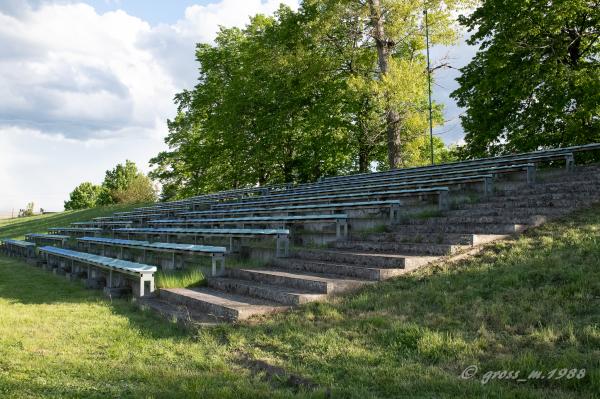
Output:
[[18, 227], [529, 305], [188, 277]]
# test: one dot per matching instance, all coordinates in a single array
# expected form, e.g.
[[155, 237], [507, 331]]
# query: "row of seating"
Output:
[[235, 236], [139, 250], [116, 273], [161, 230], [19, 248], [340, 221], [48, 239]]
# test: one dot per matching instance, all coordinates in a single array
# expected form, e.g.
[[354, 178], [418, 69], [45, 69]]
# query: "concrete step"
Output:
[[399, 247], [533, 220], [179, 313], [509, 212], [313, 282], [220, 304], [353, 271], [281, 294], [531, 203], [448, 238], [463, 228], [567, 189], [362, 258]]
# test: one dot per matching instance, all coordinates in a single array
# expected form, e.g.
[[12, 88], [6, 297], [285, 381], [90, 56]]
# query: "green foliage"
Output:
[[139, 189], [189, 277], [28, 211], [124, 184], [293, 97], [84, 196], [535, 82]]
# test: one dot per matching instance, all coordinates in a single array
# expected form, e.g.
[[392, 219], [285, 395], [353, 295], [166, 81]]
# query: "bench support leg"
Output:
[[570, 162], [488, 185], [531, 171], [341, 230], [282, 247], [443, 202]]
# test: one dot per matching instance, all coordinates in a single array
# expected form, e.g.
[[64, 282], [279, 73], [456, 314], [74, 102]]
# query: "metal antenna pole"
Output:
[[429, 83]]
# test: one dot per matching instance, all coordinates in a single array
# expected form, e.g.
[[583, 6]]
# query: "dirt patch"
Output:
[[278, 375]]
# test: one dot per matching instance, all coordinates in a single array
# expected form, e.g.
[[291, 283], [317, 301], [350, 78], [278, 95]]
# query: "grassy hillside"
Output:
[[529, 305], [18, 227]]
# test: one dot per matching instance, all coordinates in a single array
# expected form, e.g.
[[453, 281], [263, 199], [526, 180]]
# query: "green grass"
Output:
[[531, 304], [188, 277], [17, 228]]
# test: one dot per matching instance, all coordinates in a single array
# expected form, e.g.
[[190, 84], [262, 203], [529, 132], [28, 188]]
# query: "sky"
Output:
[[85, 85]]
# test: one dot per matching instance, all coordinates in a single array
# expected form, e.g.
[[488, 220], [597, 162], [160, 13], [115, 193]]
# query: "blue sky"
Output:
[[85, 85], [153, 11]]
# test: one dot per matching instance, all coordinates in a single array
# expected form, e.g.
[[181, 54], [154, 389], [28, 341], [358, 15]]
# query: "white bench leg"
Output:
[[488, 185], [570, 162], [531, 171], [142, 286], [443, 202]]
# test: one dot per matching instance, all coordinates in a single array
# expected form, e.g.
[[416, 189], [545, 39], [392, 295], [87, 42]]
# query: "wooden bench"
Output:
[[441, 192], [217, 254], [340, 220], [140, 272], [48, 239], [18, 248], [281, 236], [393, 205]]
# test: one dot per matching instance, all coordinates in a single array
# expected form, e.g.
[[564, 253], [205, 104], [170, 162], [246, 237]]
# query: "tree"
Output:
[[126, 184], [83, 196], [535, 81], [28, 211], [299, 95], [138, 190], [122, 184]]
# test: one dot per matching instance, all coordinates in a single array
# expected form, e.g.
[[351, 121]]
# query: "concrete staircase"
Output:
[[315, 274]]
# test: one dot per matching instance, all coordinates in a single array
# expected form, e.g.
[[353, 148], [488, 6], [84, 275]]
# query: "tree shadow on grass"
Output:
[[22, 283]]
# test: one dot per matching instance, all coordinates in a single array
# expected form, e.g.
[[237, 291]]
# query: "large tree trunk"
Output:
[[392, 116]]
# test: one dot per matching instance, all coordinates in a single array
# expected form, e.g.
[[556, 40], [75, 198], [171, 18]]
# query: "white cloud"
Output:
[[81, 91]]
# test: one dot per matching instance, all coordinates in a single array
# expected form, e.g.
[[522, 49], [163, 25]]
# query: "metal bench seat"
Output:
[[390, 185], [281, 235], [75, 230], [394, 206], [442, 193], [341, 221], [452, 175], [100, 223], [19, 248], [43, 239], [47, 236], [19, 243], [217, 254], [462, 165], [156, 245], [143, 272]]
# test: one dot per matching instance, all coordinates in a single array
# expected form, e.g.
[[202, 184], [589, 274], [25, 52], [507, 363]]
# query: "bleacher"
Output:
[[317, 239]]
